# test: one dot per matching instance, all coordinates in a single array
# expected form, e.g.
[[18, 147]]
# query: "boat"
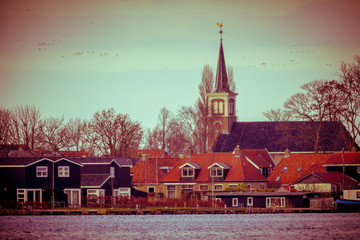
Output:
[[350, 201]]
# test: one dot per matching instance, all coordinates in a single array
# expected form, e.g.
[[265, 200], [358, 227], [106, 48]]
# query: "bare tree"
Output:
[[163, 127], [78, 131], [25, 127], [114, 133], [206, 86], [310, 106], [5, 124], [152, 137], [277, 115], [54, 134], [230, 74]]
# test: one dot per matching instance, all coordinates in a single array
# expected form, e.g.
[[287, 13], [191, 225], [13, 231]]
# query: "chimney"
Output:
[[188, 153], [237, 151], [287, 153], [144, 157]]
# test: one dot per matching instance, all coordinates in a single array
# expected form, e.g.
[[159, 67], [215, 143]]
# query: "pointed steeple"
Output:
[[222, 84]]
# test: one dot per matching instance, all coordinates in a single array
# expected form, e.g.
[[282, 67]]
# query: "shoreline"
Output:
[[161, 211]]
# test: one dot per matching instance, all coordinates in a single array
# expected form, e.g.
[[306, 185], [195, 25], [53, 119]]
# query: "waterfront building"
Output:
[[198, 174]]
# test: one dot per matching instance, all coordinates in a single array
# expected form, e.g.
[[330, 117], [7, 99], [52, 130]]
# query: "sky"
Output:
[[73, 58]]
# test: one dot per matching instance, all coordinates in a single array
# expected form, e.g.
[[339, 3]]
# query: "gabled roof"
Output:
[[145, 171], [297, 165], [240, 169], [260, 157], [120, 161], [75, 153], [337, 159], [297, 136], [329, 177], [93, 180], [27, 161], [222, 165], [191, 164]]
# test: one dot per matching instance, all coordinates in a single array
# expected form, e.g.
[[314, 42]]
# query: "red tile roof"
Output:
[[240, 169], [260, 157], [151, 153], [145, 170], [330, 177], [298, 165], [352, 158]]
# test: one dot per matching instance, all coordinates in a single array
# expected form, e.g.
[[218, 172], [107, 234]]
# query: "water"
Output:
[[253, 226]]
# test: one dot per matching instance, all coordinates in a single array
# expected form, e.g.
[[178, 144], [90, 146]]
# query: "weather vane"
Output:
[[221, 32]]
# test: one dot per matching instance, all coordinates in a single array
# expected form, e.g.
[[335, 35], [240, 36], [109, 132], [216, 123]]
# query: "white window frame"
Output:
[[148, 189], [71, 191], [269, 201], [217, 185], [63, 171], [235, 202], [125, 192], [172, 190], [233, 185], [42, 171], [22, 194], [186, 170], [215, 170], [187, 187], [250, 201], [204, 186]]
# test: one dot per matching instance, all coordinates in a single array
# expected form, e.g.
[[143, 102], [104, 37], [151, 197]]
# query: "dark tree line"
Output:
[[106, 133], [327, 100]]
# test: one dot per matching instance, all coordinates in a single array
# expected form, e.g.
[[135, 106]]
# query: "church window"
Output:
[[221, 107], [231, 107], [217, 106]]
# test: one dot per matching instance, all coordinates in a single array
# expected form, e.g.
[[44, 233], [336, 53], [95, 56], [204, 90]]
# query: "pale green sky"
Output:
[[74, 58]]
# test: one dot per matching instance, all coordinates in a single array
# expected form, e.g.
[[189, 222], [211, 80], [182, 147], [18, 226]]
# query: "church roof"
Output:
[[297, 136], [222, 84]]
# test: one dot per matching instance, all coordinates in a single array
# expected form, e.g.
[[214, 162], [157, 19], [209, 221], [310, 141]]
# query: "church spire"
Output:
[[222, 84]]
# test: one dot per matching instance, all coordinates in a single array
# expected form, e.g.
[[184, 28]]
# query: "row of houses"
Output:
[[239, 178], [64, 181]]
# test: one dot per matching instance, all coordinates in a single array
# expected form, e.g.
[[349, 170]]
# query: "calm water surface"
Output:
[[254, 226]]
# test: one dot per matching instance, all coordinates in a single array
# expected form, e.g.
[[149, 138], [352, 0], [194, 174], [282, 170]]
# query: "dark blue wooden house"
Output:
[[40, 179]]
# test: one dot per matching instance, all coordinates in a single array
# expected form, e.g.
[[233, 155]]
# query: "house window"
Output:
[[250, 202], [29, 195], [278, 178], [63, 171], [235, 202], [170, 192], [187, 172], [233, 186], [358, 169], [125, 192], [216, 172], [151, 189], [218, 187], [275, 202], [42, 171], [187, 187], [262, 186], [112, 172], [221, 107], [248, 186], [204, 187], [73, 197], [284, 169], [96, 196]]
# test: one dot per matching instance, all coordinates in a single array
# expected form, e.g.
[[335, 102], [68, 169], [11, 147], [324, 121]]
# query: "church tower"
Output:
[[221, 102]]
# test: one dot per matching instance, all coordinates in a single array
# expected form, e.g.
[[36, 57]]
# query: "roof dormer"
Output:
[[189, 172], [218, 170]]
